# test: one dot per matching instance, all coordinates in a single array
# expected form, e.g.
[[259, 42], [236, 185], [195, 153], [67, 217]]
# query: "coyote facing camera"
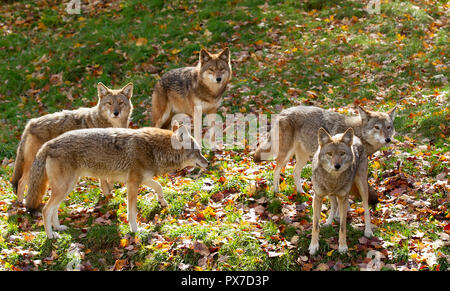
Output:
[[185, 90], [113, 109], [339, 162]]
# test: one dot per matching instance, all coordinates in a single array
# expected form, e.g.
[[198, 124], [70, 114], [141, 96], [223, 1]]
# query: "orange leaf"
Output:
[[359, 210], [124, 242], [259, 42]]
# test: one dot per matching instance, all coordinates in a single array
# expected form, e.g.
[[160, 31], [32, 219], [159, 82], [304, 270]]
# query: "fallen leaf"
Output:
[[141, 41], [201, 248]]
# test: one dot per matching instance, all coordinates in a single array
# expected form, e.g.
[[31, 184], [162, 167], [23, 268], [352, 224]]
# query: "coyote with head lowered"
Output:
[[113, 109], [185, 90], [131, 156], [297, 134]]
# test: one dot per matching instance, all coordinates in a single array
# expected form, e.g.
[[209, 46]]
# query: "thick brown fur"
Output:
[[113, 109], [184, 90], [339, 162], [131, 156], [297, 136]]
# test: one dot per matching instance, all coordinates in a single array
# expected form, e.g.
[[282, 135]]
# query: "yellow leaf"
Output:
[[175, 51], [123, 242], [197, 268], [376, 165], [41, 25], [283, 185], [330, 253], [400, 37], [141, 41]]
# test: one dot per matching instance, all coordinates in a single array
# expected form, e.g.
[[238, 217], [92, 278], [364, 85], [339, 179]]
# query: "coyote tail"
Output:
[[37, 184], [20, 160]]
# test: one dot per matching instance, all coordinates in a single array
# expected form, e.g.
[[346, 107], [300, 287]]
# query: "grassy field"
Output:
[[332, 54]]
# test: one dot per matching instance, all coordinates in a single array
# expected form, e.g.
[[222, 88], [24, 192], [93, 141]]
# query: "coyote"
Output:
[[299, 125], [185, 90], [112, 110], [339, 162], [132, 156]]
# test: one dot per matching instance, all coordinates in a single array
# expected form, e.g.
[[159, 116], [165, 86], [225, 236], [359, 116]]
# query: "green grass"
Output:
[[331, 54]]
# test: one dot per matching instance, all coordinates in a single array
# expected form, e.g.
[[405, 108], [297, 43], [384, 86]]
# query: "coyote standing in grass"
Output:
[[298, 127], [339, 162], [132, 156], [185, 90], [112, 110]]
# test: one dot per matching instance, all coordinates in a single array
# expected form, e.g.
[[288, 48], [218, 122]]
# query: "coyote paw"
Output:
[[313, 248], [61, 227], [133, 227], [53, 235], [343, 249], [368, 233]]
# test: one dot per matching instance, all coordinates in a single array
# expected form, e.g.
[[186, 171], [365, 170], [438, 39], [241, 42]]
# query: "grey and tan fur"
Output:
[[298, 127], [113, 109], [339, 162], [131, 156], [187, 89]]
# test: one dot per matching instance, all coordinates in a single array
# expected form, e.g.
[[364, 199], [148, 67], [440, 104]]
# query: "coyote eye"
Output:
[[377, 127], [389, 127], [109, 103], [342, 154], [329, 154]]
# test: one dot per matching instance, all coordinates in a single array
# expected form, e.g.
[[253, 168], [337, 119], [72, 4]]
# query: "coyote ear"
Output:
[[128, 90], [392, 112], [225, 55], [102, 90], [323, 137], [347, 138], [175, 126], [364, 113], [204, 56]]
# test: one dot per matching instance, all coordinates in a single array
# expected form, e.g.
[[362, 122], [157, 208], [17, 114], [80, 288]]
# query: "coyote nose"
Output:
[[387, 140], [218, 79], [337, 166], [116, 113]]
